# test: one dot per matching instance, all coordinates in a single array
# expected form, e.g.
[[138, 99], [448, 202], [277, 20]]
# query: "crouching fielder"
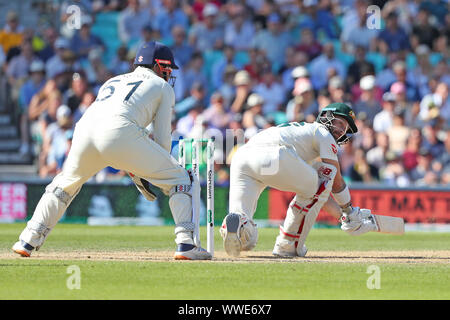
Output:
[[285, 158], [112, 133]]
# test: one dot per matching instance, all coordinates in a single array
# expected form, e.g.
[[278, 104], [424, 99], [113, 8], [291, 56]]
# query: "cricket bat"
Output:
[[388, 224]]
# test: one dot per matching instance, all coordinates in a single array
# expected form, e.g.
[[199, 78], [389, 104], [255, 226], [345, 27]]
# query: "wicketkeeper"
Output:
[[112, 133], [296, 157]]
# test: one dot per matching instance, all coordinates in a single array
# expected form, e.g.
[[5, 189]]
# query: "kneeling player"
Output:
[[285, 158]]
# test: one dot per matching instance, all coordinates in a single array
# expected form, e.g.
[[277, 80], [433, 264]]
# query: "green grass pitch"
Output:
[[134, 262]]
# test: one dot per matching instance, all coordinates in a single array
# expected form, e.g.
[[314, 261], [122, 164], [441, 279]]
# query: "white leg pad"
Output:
[[184, 202], [302, 213], [48, 212]]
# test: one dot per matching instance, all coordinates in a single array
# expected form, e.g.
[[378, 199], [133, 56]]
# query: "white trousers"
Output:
[[255, 167]]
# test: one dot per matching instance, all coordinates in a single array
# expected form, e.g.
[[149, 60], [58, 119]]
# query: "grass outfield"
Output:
[[135, 263]]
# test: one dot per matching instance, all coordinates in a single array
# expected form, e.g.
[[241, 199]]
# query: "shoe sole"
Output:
[[22, 253], [280, 255], [181, 257], [231, 243]]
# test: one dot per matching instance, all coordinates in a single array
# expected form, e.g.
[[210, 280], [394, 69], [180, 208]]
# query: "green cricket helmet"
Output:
[[329, 113]]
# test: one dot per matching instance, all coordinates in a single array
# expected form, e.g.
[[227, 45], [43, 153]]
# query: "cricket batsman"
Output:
[[297, 157], [112, 133]]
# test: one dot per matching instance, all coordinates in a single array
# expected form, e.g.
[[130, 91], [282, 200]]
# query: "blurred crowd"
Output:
[[248, 65]]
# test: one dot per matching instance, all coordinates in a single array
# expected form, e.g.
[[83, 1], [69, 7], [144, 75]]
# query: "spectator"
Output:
[[32, 86], [12, 34], [394, 174], [294, 68], [439, 9], [359, 68], [55, 145], [253, 118], [346, 157], [432, 142], [272, 92], [40, 101], [48, 51], [218, 68], [181, 49], [383, 120], [444, 158], [94, 69], [431, 179], [215, 115], [195, 72], [377, 155], [385, 74], [319, 19], [367, 102], [196, 97], [84, 41], [398, 89], [243, 85], [78, 88], [408, 87], [351, 17], [169, 16], [308, 44], [273, 41], [436, 104], [323, 99], [399, 132], [227, 88], [423, 71], [206, 35], [257, 61], [411, 153], [19, 66], [361, 170], [406, 11], [366, 139], [440, 49], [188, 125], [131, 22], [49, 115], [359, 35], [303, 106], [423, 165], [336, 89], [88, 99], [35, 82], [240, 31], [148, 33], [320, 67], [394, 36], [425, 32], [64, 59], [120, 63]]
